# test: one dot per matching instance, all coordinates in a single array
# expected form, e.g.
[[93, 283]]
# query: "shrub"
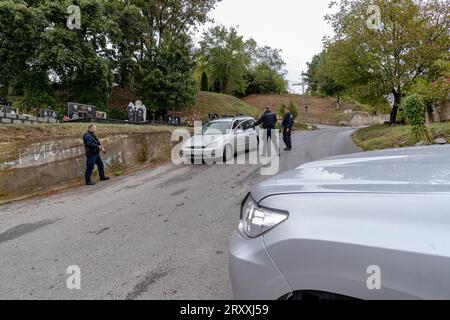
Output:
[[204, 82], [293, 109], [414, 110], [282, 111]]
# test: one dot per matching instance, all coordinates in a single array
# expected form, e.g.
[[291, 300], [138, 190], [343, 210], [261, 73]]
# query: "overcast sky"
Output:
[[295, 26]]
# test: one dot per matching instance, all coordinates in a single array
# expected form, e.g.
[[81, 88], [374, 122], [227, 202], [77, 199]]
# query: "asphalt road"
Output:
[[156, 234]]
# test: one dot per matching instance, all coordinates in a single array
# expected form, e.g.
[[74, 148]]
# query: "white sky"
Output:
[[295, 26]]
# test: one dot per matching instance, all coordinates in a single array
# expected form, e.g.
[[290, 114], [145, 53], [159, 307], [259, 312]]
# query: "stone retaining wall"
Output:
[[43, 166]]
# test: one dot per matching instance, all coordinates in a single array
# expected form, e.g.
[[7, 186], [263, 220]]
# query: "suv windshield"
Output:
[[213, 128]]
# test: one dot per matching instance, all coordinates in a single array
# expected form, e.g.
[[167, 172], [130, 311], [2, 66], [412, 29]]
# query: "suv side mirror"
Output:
[[238, 131]]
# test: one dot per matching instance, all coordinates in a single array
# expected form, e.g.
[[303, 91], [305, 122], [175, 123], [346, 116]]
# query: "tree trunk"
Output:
[[397, 100], [338, 106]]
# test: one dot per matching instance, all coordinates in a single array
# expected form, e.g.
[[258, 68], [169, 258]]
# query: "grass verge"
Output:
[[385, 137], [14, 133]]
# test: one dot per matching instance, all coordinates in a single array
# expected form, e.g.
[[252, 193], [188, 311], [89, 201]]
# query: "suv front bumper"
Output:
[[253, 274]]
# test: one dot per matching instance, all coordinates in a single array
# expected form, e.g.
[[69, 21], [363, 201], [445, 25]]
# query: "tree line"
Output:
[[405, 52], [145, 46]]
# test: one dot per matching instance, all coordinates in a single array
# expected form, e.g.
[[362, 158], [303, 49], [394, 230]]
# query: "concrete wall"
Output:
[[9, 118], [442, 112], [43, 166], [360, 119]]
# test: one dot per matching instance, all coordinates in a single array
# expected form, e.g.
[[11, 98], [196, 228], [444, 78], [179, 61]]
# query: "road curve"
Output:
[[156, 234]]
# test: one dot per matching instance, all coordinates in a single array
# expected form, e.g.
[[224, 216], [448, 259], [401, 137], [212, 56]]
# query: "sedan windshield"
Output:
[[214, 128]]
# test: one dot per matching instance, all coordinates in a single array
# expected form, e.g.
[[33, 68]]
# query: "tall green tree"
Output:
[[377, 63], [204, 82], [167, 76], [319, 78], [223, 52], [21, 26], [241, 67], [265, 73]]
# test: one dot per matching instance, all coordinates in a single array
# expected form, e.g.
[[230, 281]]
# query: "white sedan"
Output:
[[222, 139]]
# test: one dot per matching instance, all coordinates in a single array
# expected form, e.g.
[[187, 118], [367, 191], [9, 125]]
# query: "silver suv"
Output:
[[364, 226]]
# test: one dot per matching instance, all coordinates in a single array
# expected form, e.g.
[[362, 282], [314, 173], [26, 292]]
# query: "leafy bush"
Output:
[[282, 111], [204, 82], [293, 109], [37, 93], [414, 110], [116, 113]]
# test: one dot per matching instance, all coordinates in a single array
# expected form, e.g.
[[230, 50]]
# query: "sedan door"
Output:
[[240, 138], [250, 135]]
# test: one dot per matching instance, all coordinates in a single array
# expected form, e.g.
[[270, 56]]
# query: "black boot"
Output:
[[105, 179], [90, 183]]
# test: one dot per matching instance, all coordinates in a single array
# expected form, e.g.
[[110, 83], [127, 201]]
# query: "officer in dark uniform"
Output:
[[93, 148], [268, 121], [288, 123]]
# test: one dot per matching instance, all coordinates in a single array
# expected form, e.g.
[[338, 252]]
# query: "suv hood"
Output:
[[408, 170]]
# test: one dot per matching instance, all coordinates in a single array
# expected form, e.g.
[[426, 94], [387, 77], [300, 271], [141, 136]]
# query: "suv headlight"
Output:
[[256, 220]]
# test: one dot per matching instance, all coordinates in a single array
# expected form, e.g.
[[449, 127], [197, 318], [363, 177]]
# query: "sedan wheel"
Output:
[[227, 153]]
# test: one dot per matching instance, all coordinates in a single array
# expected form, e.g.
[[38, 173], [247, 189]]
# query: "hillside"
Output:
[[209, 102], [206, 103], [320, 110]]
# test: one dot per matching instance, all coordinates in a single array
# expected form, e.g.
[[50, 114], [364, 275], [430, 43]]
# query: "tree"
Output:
[[222, 51], [167, 76], [311, 74], [263, 79], [166, 19], [21, 27], [81, 60], [433, 91], [204, 82], [320, 76], [375, 64], [120, 37], [241, 67]]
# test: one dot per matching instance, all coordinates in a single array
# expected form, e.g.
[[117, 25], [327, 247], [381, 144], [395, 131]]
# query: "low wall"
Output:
[[10, 118], [360, 119], [39, 167], [441, 113]]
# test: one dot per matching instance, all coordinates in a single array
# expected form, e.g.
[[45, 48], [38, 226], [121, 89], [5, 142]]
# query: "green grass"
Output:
[[209, 102], [386, 137], [15, 133]]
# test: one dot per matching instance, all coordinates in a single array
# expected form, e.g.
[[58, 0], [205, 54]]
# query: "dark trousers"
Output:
[[287, 138], [270, 138], [91, 161]]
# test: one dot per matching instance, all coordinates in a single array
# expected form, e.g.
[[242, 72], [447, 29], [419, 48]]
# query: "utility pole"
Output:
[[302, 84]]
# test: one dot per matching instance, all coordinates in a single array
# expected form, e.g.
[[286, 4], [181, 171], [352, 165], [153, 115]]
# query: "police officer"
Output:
[[288, 123], [268, 121], [93, 148]]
